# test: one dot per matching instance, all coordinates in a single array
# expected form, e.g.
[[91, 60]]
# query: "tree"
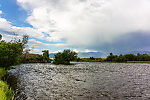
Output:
[[120, 58], [0, 36], [139, 57], [10, 53], [111, 57], [46, 55], [58, 58], [24, 45], [92, 58], [65, 57], [25, 40], [130, 57]]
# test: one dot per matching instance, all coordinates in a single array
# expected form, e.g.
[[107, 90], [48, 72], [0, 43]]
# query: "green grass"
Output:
[[90, 60], [138, 61], [2, 72], [5, 92]]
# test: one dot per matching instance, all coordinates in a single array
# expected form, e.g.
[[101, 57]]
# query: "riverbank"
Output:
[[116, 62], [138, 61], [5, 92]]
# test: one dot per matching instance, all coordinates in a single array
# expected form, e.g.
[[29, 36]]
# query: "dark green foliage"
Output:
[[0, 36], [128, 57], [58, 58], [91, 59], [111, 57], [65, 57], [10, 53], [78, 59], [120, 58], [46, 55]]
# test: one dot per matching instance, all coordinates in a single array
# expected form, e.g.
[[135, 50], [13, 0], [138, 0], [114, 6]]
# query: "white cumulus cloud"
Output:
[[87, 22], [1, 12], [7, 30]]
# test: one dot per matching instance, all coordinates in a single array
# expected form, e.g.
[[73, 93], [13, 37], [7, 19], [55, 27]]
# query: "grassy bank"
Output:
[[5, 92], [2, 72], [91, 59], [138, 61]]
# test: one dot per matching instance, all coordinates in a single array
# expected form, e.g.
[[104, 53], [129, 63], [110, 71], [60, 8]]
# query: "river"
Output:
[[81, 81]]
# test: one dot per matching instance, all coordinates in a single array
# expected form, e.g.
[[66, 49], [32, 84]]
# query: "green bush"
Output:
[[65, 57], [46, 56], [10, 53]]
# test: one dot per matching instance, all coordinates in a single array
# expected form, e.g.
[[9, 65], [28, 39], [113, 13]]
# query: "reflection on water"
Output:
[[82, 81]]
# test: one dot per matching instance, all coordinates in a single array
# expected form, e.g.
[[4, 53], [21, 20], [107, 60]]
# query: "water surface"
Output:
[[83, 81]]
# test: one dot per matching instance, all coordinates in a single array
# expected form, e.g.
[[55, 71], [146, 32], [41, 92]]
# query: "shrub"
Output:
[[10, 53], [65, 57]]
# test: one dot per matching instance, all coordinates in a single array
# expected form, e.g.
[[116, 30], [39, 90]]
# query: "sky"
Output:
[[80, 25]]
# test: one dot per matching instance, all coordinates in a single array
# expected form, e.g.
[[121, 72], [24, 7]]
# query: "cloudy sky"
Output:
[[81, 25]]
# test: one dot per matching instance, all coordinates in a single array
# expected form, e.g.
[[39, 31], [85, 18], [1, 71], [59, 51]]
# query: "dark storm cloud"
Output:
[[135, 41]]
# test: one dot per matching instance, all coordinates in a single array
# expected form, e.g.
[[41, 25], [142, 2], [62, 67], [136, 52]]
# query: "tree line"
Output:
[[128, 57], [15, 52]]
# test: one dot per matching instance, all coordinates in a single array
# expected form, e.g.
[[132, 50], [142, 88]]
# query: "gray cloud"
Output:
[[135, 41], [100, 24]]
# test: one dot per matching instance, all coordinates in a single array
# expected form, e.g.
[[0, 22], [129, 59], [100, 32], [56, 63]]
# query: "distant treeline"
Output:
[[128, 57], [116, 58], [91, 59], [67, 55]]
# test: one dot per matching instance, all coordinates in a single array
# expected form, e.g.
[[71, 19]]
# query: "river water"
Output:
[[82, 81]]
